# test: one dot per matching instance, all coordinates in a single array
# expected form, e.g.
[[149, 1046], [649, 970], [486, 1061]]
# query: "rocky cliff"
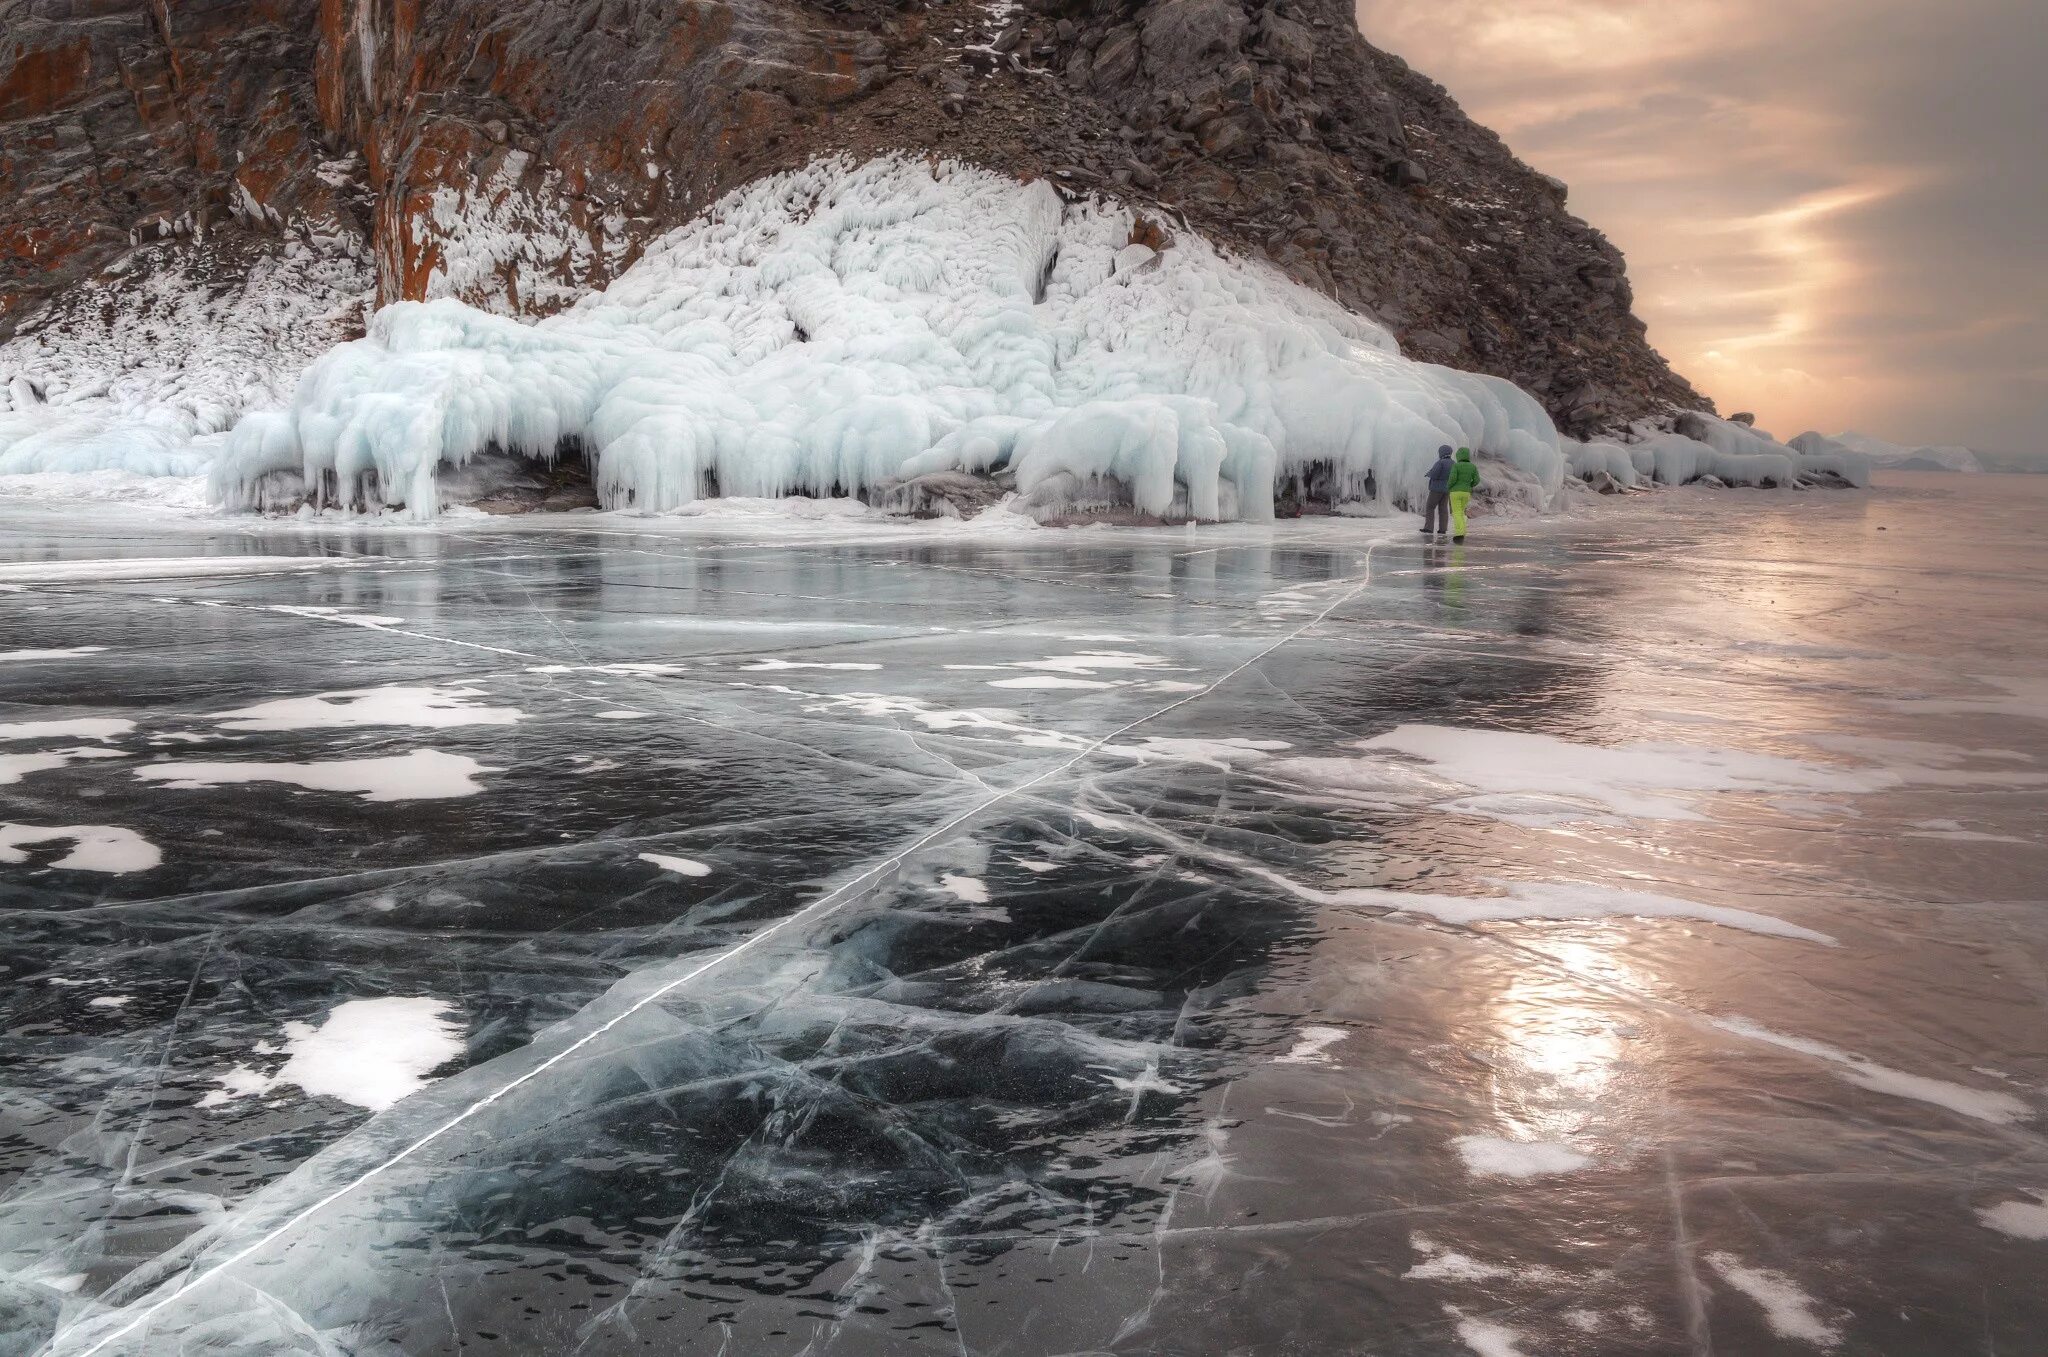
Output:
[[515, 153]]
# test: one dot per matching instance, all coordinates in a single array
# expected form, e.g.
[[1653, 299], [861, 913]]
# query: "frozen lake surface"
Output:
[[1620, 935]]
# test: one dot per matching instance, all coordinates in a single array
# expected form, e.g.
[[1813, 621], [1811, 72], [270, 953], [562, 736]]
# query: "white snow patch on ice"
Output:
[[15, 767], [1497, 1157], [374, 621], [370, 1052], [2025, 697], [971, 889], [1920, 753], [421, 775], [2020, 1219], [84, 728], [680, 866], [94, 848], [1556, 780], [124, 569], [623, 714], [1789, 1310], [1094, 661], [111, 1001], [1440, 1264], [239, 1082], [1564, 900], [1048, 681], [1038, 865], [1486, 1338], [395, 705], [24, 656], [759, 666], [1311, 1046], [1982, 1104], [1953, 830], [1225, 753], [630, 667], [1146, 1080]]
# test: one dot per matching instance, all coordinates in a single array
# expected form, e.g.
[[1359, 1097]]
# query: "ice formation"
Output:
[[1894, 456], [847, 329], [1702, 446], [886, 330], [141, 371], [1603, 455]]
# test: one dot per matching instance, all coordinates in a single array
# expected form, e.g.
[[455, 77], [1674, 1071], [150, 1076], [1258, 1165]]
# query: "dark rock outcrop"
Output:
[[517, 152]]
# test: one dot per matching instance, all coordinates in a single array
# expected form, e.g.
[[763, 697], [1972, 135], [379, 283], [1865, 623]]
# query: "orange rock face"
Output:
[[516, 153]]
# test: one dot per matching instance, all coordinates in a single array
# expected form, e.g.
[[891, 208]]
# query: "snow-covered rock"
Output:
[[844, 328]]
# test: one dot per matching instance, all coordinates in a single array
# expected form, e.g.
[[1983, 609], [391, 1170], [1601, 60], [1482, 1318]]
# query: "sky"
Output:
[[1835, 212]]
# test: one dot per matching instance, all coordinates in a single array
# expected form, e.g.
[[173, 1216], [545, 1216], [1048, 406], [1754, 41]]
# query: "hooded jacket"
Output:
[[1440, 472], [1464, 476]]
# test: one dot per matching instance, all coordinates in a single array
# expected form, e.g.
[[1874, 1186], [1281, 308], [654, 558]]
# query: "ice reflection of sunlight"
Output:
[[1558, 1044]]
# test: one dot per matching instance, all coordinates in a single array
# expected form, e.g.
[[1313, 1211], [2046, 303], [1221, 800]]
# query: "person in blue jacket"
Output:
[[1436, 510]]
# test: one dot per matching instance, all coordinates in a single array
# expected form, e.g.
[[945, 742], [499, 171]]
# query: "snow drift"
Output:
[[846, 329]]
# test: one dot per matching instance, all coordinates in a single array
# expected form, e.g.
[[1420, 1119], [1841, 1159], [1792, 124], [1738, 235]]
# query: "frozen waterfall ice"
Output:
[[882, 329], [842, 329]]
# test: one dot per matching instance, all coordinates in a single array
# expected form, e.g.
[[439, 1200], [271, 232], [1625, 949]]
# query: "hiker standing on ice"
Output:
[[1464, 480], [1436, 509]]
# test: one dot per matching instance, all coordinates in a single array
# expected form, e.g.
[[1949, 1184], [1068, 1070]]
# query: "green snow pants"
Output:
[[1459, 499]]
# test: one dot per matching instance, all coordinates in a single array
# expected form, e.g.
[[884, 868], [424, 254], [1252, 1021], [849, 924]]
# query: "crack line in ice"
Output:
[[823, 905], [163, 1065], [388, 631]]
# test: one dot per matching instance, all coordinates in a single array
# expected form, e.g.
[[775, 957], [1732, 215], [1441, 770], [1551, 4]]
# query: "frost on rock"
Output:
[[137, 372], [851, 330]]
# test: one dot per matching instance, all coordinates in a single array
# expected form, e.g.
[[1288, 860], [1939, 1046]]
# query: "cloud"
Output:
[[1842, 204]]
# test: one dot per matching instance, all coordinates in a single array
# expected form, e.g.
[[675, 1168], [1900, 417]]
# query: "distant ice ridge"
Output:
[[1892, 456], [1702, 446], [843, 329]]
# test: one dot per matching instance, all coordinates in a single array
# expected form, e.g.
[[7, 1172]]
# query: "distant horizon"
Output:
[[1832, 215]]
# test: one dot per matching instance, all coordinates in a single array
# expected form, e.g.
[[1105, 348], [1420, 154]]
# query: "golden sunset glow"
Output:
[[1831, 212]]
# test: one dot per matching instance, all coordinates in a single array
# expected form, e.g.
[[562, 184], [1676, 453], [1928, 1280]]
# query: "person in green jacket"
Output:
[[1464, 480]]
